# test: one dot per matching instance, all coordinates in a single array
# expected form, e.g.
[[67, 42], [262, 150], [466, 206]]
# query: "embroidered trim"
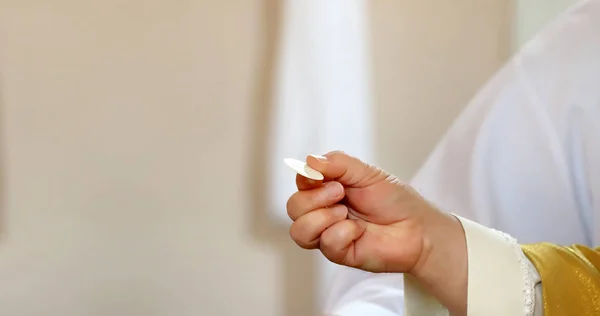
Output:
[[528, 281]]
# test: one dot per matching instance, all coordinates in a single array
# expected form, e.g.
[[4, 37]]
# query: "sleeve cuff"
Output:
[[500, 282], [500, 279]]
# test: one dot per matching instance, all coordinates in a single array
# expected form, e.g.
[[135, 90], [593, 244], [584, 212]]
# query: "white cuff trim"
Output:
[[500, 279]]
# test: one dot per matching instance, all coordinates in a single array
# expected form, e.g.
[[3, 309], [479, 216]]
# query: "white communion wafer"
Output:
[[303, 169]]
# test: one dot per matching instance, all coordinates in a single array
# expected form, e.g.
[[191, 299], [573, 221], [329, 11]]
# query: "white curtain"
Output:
[[322, 98]]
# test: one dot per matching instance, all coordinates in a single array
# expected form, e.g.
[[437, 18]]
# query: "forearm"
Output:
[[443, 268]]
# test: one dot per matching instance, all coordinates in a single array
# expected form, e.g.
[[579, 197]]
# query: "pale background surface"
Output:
[[531, 15], [128, 128]]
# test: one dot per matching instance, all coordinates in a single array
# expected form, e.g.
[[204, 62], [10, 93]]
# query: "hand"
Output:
[[362, 217]]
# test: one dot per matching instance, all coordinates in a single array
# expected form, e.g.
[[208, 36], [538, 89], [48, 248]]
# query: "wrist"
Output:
[[442, 268]]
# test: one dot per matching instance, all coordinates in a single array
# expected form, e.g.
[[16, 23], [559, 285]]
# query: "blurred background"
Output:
[[135, 136]]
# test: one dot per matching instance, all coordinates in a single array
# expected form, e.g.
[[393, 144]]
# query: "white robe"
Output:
[[523, 157]]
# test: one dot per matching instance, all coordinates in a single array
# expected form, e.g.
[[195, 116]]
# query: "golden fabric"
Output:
[[570, 278]]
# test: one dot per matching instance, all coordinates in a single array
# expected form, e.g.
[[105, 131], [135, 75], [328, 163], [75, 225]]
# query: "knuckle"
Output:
[[307, 230], [289, 206], [298, 204], [299, 237], [338, 236], [303, 202], [328, 240], [294, 233], [336, 153], [328, 249]]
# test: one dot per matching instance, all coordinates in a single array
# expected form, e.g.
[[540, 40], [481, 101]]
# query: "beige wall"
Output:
[[430, 59], [128, 128]]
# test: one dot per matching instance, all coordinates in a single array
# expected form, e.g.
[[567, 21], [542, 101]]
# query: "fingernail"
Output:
[[334, 189], [319, 157], [339, 211]]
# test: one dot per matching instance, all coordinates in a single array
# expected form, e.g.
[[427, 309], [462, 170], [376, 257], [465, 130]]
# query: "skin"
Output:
[[362, 217]]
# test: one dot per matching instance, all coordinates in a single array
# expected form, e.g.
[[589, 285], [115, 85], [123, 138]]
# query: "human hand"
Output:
[[362, 217]]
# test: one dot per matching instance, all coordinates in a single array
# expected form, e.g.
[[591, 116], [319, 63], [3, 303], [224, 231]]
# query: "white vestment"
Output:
[[523, 157]]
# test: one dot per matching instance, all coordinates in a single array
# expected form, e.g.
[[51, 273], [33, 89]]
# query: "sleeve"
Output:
[[501, 279], [359, 293], [570, 278], [530, 280], [502, 160]]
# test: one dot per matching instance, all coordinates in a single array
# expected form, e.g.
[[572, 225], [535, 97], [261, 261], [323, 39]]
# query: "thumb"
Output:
[[346, 169]]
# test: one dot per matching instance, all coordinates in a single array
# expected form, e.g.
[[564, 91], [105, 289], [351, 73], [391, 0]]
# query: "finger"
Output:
[[337, 242], [307, 229], [306, 201], [348, 170], [304, 183]]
